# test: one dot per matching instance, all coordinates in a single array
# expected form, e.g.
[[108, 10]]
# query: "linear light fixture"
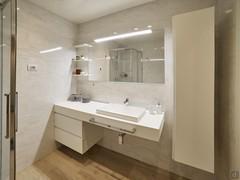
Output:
[[83, 45], [122, 36], [51, 50]]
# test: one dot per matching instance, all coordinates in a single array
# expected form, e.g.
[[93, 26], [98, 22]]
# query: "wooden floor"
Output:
[[96, 164]]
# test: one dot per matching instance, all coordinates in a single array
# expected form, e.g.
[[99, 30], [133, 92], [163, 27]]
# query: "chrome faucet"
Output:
[[126, 102]]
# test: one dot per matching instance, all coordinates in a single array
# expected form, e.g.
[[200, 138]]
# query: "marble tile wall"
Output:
[[158, 14], [38, 91]]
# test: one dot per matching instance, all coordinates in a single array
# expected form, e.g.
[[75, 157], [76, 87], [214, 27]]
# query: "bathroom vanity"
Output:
[[80, 125]]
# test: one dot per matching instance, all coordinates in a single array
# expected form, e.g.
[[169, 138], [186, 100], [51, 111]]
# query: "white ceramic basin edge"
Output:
[[126, 112]]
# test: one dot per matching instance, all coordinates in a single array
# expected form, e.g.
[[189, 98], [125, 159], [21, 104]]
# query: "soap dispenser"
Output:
[[155, 109]]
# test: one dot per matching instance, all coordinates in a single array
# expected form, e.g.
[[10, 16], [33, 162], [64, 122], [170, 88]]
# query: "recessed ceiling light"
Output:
[[115, 33], [149, 26], [4, 17], [18, 8], [136, 29]]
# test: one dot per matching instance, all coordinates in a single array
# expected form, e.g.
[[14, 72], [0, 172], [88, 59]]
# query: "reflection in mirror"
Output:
[[124, 58]]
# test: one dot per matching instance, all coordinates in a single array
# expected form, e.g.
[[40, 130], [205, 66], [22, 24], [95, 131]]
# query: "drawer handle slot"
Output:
[[92, 120]]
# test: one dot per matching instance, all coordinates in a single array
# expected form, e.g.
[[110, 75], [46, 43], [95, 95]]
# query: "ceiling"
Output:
[[79, 11]]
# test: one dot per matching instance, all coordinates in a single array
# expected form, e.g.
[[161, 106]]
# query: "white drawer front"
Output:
[[69, 140], [70, 125]]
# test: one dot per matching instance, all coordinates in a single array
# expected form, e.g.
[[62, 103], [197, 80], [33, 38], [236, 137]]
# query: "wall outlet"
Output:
[[32, 67]]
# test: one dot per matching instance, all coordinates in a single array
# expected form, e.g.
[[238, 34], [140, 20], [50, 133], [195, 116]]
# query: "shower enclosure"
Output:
[[126, 65], [8, 98]]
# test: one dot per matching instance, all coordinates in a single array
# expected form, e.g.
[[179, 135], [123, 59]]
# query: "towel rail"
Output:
[[92, 120]]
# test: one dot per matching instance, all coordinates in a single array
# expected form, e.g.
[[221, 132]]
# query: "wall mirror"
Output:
[[133, 56]]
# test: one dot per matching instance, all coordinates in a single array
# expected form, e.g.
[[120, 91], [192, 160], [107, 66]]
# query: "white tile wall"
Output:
[[38, 91]]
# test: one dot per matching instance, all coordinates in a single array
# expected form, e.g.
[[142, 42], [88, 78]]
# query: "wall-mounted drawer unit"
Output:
[[76, 134], [69, 140], [71, 125]]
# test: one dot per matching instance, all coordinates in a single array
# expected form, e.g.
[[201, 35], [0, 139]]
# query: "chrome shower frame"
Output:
[[12, 96]]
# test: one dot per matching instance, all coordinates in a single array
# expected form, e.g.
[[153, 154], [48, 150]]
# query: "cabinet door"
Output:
[[193, 134]]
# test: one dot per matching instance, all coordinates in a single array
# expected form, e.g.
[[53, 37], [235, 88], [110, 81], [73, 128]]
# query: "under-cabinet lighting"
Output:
[[122, 36], [51, 50]]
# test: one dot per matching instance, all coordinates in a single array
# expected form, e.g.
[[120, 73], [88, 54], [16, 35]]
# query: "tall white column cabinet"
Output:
[[193, 132]]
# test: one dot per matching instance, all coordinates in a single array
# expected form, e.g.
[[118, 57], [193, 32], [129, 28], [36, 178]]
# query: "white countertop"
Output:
[[148, 120]]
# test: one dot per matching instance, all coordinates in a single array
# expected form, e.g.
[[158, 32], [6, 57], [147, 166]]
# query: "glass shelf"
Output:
[[93, 59], [151, 60], [81, 75], [81, 60]]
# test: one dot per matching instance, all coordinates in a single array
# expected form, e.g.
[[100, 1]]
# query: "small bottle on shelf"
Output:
[[78, 71]]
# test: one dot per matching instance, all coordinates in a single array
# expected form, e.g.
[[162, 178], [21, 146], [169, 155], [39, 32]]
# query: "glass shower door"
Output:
[[8, 96]]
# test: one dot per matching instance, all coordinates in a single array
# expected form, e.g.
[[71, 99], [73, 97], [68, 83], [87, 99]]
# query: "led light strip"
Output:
[[51, 50], [122, 36]]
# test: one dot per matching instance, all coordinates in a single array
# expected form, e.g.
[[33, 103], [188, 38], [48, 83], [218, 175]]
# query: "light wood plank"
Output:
[[96, 164]]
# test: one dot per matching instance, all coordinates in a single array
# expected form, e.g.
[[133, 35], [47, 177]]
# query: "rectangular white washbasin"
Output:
[[129, 113]]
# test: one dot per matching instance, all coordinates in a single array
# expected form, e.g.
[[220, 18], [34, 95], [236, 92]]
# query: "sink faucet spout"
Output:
[[126, 102]]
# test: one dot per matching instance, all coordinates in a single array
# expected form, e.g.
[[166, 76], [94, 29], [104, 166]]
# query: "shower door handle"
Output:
[[7, 115], [16, 112]]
